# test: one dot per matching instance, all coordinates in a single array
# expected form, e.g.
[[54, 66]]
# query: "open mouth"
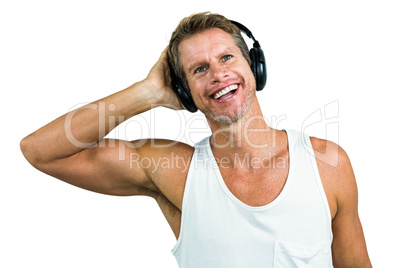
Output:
[[225, 93]]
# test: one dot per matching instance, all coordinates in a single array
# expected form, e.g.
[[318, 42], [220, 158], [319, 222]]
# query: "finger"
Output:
[[164, 54]]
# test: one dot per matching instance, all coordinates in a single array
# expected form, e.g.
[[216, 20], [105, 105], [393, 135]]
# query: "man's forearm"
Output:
[[85, 126]]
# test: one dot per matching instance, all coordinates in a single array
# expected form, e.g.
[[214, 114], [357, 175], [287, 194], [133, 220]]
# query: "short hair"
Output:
[[198, 23]]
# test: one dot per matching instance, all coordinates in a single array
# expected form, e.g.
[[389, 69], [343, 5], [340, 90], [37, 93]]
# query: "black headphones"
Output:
[[257, 66]]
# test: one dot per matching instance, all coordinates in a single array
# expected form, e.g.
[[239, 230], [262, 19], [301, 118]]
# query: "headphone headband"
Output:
[[245, 30]]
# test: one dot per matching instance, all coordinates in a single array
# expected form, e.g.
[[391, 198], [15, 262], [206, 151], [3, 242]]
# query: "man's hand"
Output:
[[159, 80]]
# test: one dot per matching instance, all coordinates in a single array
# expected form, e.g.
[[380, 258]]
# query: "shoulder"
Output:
[[161, 146], [161, 150], [161, 157], [329, 153], [166, 163], [332, 159], [336, 173]]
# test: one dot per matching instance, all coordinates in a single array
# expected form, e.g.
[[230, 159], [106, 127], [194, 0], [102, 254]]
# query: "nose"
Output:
[[218, 73]]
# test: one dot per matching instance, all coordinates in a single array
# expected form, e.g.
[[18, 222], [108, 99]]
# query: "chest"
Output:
[[257, 186]]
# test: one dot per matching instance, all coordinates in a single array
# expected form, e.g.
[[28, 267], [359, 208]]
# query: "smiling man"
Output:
[[252, 196], [218, 75]]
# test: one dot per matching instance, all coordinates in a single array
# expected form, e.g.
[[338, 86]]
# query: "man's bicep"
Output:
[[109, 167], [349, 246]]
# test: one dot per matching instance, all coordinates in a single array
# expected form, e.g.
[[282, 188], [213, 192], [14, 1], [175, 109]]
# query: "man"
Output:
[[253, 196]]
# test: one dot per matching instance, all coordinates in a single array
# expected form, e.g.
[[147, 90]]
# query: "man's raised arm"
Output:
[[72, 147]]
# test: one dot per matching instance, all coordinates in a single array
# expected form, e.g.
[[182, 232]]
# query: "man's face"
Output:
[[219, 77]]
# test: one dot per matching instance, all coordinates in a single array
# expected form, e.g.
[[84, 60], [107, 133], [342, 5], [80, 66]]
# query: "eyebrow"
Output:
[[203, 63], [196, 65]]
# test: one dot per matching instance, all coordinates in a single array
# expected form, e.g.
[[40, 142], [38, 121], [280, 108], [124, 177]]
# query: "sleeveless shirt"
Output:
[[218, 230]]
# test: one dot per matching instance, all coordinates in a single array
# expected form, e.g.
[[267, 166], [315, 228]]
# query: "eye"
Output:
[[200, 69], [226, 57]]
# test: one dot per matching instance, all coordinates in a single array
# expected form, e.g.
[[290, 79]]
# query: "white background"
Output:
[[55, 55]]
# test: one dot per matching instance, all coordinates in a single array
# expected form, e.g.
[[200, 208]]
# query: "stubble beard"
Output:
[[241, 110]]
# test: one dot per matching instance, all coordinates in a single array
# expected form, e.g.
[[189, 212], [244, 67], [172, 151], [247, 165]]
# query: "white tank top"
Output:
[[218, 230]]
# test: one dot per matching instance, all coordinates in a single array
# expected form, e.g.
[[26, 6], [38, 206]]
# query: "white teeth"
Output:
[[225, 90]]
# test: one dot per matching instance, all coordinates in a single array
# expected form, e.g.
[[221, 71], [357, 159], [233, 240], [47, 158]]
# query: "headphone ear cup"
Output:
[[258, 67], [253, 62], [182, 92], [185, 97]]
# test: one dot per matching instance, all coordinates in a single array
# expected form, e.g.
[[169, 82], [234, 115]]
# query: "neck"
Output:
[[249, 136]]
